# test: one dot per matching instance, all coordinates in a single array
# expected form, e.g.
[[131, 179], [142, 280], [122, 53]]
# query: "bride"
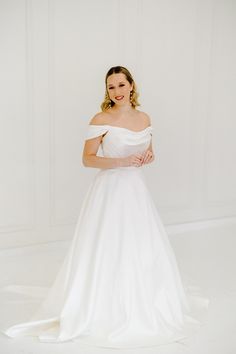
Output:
[[119, 284]]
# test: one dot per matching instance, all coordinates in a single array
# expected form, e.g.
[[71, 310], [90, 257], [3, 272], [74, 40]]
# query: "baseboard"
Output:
[[199, 225]]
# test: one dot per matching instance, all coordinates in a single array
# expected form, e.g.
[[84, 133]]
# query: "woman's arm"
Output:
[[148, 156], [90, 159]]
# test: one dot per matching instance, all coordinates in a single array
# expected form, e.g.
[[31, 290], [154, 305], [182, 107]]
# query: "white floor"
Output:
[[208, 256]]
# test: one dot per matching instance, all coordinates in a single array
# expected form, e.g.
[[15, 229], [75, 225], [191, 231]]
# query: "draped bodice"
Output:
[[119, 141]]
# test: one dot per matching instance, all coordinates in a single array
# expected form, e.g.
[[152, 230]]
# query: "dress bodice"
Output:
[[119, 141]]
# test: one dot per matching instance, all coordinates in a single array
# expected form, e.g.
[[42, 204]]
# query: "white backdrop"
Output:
[[54, 57]]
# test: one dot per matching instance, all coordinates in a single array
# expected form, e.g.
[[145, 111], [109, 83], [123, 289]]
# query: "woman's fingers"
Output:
[[137, 159], [138, 156], [140, 159], [147, 157]]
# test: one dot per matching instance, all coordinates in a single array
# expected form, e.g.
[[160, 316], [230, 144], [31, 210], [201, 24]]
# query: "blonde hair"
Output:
[[107, 103]]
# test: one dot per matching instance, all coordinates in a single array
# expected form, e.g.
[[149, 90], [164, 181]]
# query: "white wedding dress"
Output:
[[119, 285]]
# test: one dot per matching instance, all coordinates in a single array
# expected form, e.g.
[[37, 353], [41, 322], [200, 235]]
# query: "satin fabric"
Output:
[[119, 284]]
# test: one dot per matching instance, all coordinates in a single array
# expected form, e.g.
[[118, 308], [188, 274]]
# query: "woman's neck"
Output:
[[123, 109]]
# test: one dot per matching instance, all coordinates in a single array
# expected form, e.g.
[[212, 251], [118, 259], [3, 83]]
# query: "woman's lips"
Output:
[[119, 97]]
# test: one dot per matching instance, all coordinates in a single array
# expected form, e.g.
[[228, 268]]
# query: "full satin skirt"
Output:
[[119, 284]]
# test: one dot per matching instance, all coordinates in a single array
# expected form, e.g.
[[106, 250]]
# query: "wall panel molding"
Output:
[[29, 84]]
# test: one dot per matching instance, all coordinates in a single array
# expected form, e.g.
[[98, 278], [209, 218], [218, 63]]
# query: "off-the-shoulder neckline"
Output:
[[115, 126]]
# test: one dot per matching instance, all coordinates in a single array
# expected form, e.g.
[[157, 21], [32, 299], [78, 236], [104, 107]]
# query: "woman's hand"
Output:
[[132, 160], [148, 157], [138, 160]]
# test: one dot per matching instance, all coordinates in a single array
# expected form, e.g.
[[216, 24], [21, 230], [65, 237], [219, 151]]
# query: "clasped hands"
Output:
[[139, 159]]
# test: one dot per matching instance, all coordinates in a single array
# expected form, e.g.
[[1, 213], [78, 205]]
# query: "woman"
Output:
[[118, 110], [119, 285]]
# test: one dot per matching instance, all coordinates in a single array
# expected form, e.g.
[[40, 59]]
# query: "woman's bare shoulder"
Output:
[[144, 117], [99, 118]]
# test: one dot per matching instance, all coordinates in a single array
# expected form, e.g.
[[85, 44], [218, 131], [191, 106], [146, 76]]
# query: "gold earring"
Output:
[[131, 96]]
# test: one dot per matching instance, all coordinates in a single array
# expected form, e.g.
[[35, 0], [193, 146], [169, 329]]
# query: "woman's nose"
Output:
[[117, 93]]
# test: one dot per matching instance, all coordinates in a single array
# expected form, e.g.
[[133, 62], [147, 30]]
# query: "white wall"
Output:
[[54, 57]]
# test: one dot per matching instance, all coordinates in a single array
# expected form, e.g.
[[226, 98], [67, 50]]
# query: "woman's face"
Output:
[[118, 88]]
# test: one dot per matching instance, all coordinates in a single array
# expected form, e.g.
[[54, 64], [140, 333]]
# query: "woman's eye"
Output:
[[110, 88]]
